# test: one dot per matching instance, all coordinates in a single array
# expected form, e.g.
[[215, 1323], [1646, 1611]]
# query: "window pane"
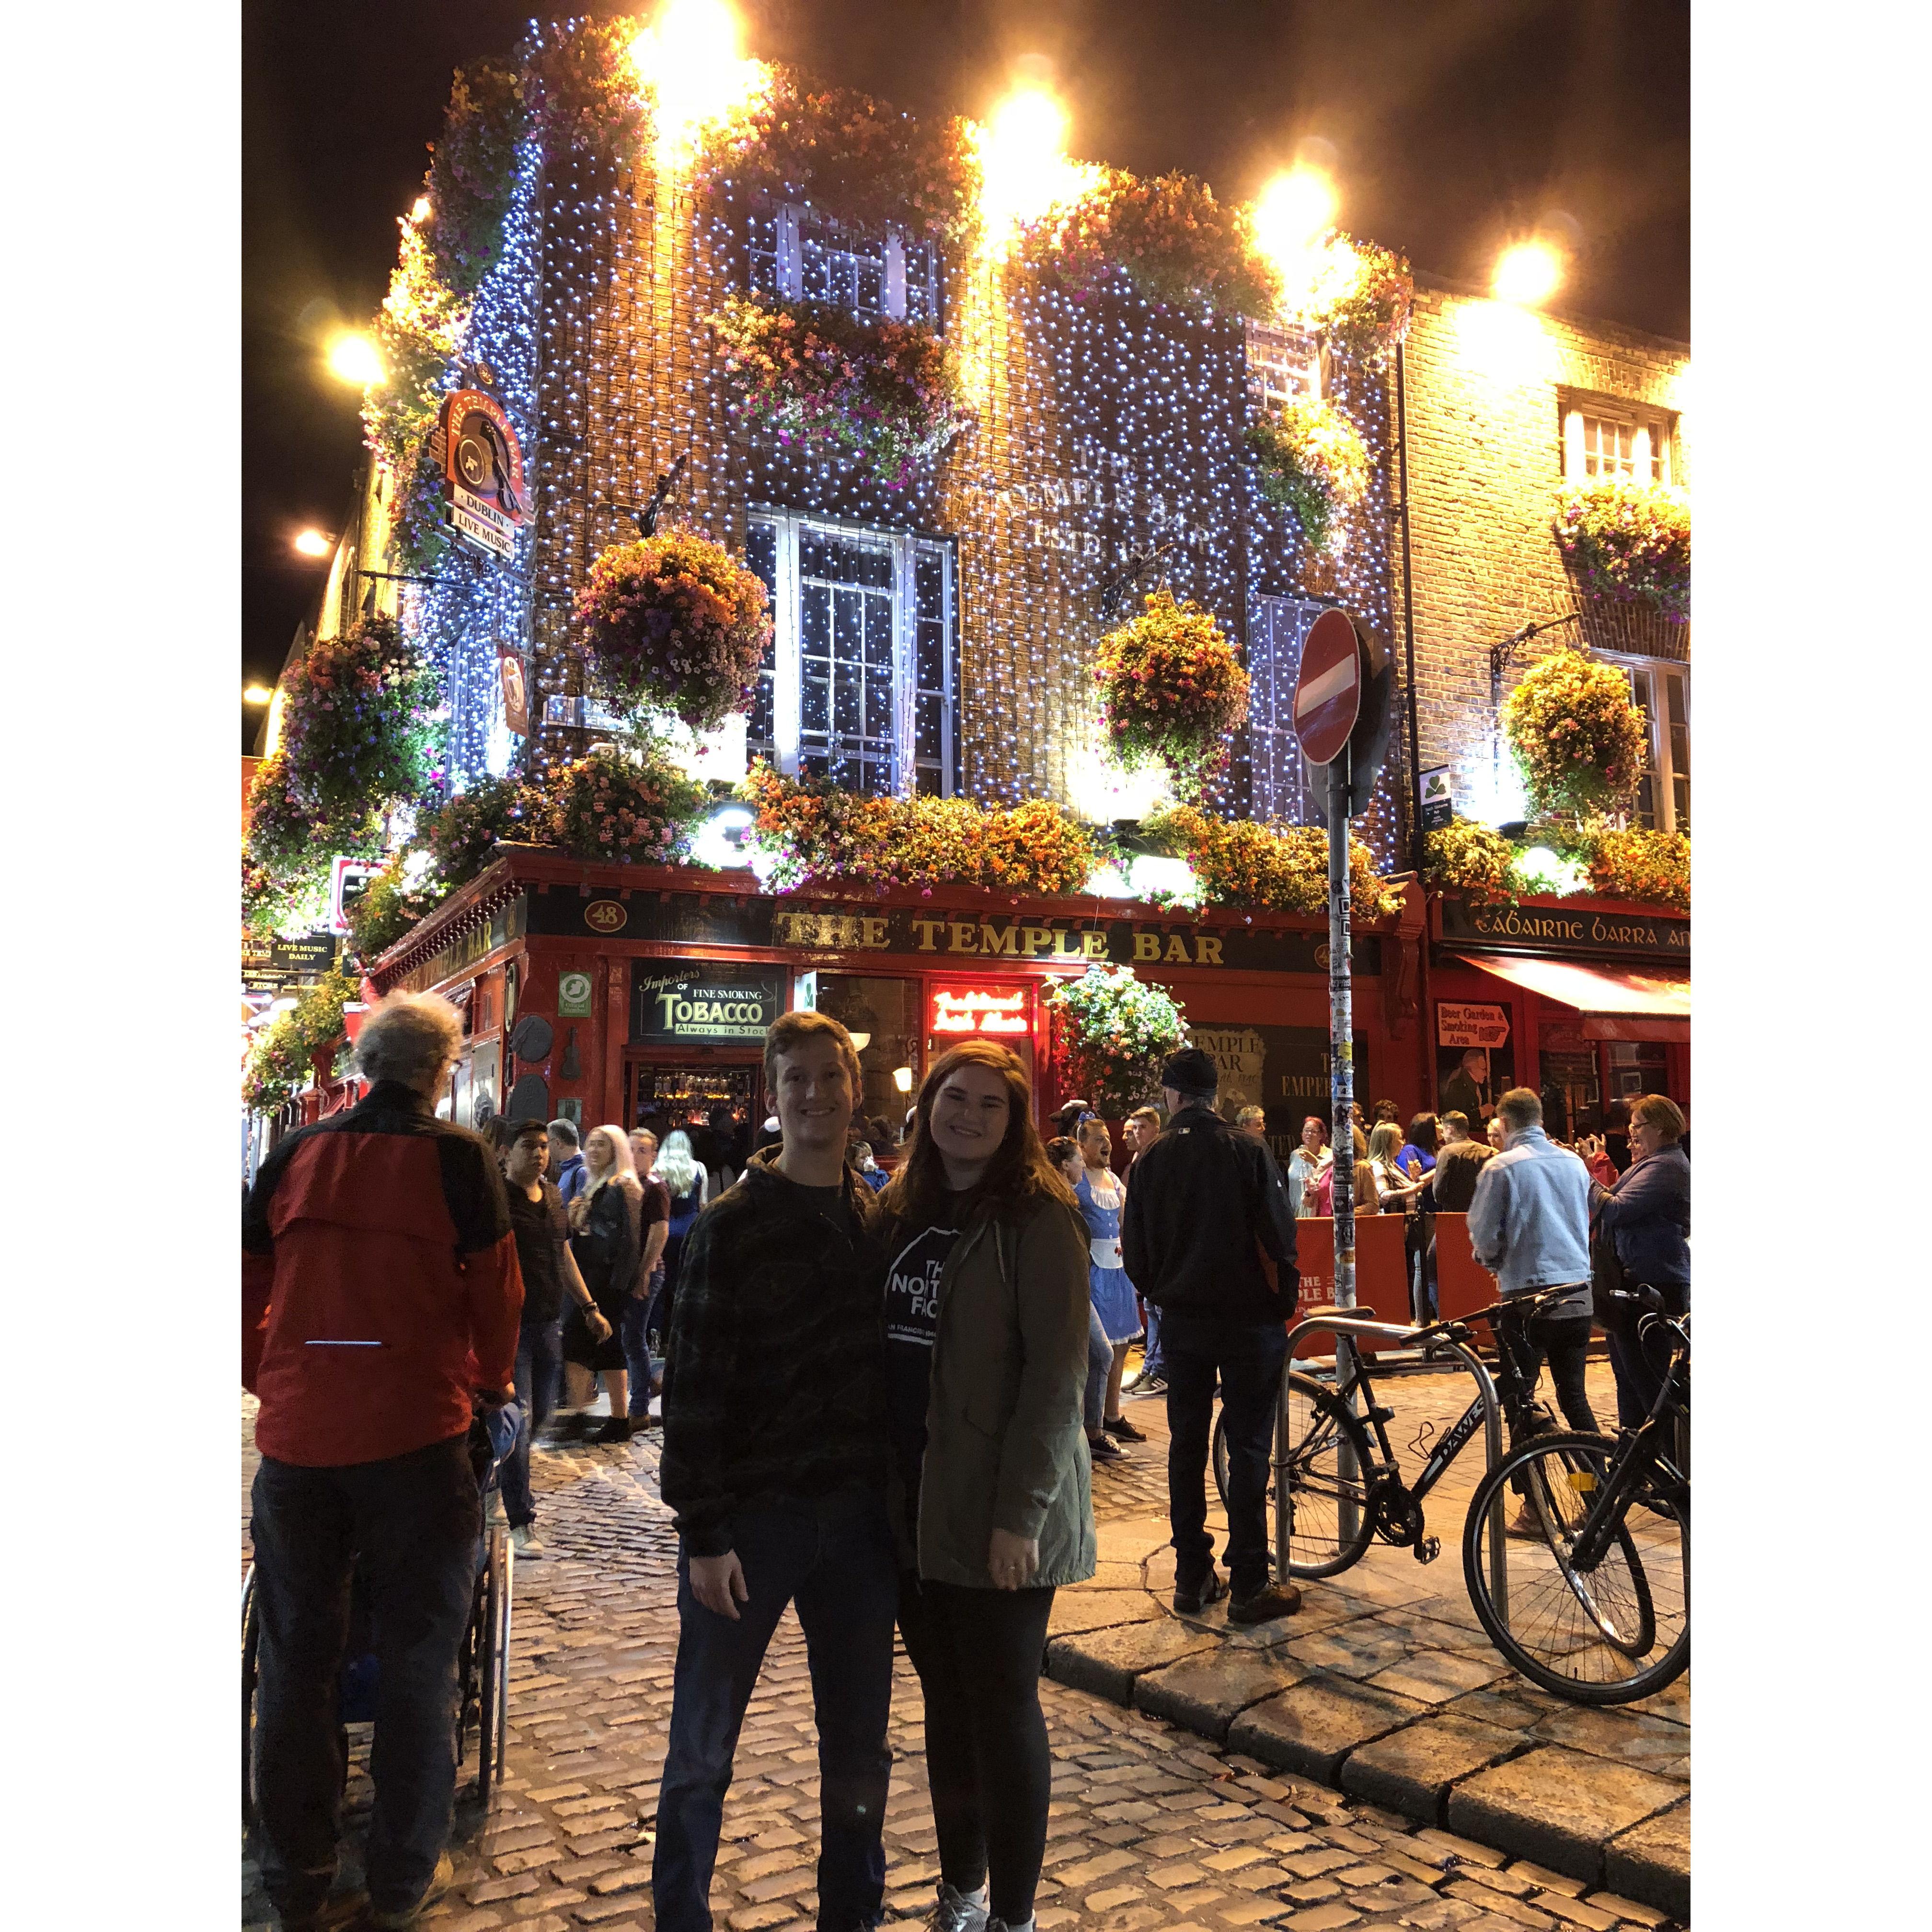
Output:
[[879, 633], [927, 743], [815, 276], [762, 241], [1645, 814], [922, 303], [879, 707], [870, 296], [816, 710]]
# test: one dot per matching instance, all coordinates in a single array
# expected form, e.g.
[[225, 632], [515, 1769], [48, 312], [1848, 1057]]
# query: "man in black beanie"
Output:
[[1207, 1203]]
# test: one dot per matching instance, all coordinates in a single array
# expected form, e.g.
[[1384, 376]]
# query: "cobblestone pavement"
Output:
[[1152, 1829]]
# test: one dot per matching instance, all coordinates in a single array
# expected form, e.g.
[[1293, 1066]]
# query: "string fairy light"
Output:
[[1102, 427]]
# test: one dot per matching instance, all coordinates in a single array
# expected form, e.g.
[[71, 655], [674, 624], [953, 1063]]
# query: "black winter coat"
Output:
[[1199, 1201]]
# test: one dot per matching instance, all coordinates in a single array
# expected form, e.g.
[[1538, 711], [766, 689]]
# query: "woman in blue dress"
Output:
[[1102, 1198]]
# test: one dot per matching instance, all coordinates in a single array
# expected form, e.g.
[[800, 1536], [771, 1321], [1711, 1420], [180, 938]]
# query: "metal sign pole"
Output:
[[1342, 1093], [1341, 1032]]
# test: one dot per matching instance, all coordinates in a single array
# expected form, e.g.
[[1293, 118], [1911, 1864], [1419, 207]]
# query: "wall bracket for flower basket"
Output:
[[1113, 593], [1505, 652]]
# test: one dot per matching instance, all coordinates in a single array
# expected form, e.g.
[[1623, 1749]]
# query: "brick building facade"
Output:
[[1585, 1000], [1503, 403]]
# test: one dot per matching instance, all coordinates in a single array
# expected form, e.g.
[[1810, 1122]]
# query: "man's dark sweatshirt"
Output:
[[774, 1388], [1199, 1200]]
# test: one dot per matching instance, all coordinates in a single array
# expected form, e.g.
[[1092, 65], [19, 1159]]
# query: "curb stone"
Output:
[[1604, 1823], [1558, 1807], [1411, 1770], [1313, 1727], [1652, 1862], [1205, 1693]]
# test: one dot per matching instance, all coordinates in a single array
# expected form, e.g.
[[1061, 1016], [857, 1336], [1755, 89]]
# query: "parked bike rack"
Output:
[[1343, 1326]]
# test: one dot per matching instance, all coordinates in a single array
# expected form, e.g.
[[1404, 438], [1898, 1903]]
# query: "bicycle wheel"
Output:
[[493, 1643], [1611, 1633], [251, 1644], [1331, 1522]]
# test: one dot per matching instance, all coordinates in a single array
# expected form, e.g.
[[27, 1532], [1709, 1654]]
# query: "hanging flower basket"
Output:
[[676, 624], [1577, 738], [1117, 1030], [813, 374], [1172, 691], [1308, 457], [360, 725], [1629, 542]]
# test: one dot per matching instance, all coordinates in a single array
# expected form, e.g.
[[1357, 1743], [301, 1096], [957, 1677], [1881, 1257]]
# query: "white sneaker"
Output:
[[526, 1542]]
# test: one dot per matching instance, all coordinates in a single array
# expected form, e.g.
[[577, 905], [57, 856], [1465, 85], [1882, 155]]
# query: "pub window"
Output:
[[1279, 781], [1662, 692], [1605, 438], [861, 685], [797, 255], [1283, 365]]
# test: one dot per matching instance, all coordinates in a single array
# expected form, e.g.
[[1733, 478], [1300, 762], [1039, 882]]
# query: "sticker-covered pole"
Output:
[[1341, 1032]]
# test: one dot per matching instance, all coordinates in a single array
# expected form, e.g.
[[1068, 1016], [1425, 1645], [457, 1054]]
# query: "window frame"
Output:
[[906, 547], [791, 218], [1661, 768], [1652, 432], [1314, 362]]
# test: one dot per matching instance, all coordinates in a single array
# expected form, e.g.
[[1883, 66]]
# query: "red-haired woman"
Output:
[[986, 1328]]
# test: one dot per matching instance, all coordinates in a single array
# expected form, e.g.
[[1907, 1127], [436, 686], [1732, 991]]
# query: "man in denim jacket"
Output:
[[1529, 1225]]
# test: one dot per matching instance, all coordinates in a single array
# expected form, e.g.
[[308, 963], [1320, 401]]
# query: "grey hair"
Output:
[[1520, 1108], [407, 1035]]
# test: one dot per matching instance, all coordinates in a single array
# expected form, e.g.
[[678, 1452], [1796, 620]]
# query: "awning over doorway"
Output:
[[1615, 1004]]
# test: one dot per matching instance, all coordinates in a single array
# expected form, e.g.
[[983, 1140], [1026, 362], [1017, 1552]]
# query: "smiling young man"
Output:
[[775, 1464]]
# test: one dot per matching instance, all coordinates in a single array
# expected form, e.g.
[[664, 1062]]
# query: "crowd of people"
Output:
[[883, 1398]]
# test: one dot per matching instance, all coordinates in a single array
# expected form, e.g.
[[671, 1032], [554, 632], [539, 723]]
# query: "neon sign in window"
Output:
[[977, 1010]]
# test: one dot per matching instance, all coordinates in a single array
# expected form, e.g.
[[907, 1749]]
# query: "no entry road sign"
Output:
[[1328, 693]]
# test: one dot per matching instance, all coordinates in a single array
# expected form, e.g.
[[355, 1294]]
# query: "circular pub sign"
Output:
[[605, 916]]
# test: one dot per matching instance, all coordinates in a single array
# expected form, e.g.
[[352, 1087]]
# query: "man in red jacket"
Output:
[[380, 1288]]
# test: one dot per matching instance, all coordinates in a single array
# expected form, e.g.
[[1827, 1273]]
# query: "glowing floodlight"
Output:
[[1295, 210], [1527, 273], [1024, 170], [353, 359], [691, 57]]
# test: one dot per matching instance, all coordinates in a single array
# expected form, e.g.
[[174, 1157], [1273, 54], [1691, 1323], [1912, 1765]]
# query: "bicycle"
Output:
[[1597, 1611], [1346, 1491]]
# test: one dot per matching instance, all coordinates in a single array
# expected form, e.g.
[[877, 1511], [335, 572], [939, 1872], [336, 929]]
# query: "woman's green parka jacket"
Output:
[[1006, 1446]]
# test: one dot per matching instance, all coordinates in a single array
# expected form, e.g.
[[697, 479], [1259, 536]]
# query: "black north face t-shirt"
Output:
[[912, 1322]]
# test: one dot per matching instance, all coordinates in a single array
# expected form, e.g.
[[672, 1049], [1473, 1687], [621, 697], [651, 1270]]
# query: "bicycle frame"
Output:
[[1508, 1388], [1345, 1328]]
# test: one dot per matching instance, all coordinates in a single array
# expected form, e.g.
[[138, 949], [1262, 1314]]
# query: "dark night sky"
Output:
[[1455, 121]]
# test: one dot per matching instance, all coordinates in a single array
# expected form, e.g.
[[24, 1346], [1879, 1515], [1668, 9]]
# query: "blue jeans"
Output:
[[1247, 1356], [832, 1557], [539, 1366], [631, 1330], [1153, 1362], [411, 1524], [1099, 1363]]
